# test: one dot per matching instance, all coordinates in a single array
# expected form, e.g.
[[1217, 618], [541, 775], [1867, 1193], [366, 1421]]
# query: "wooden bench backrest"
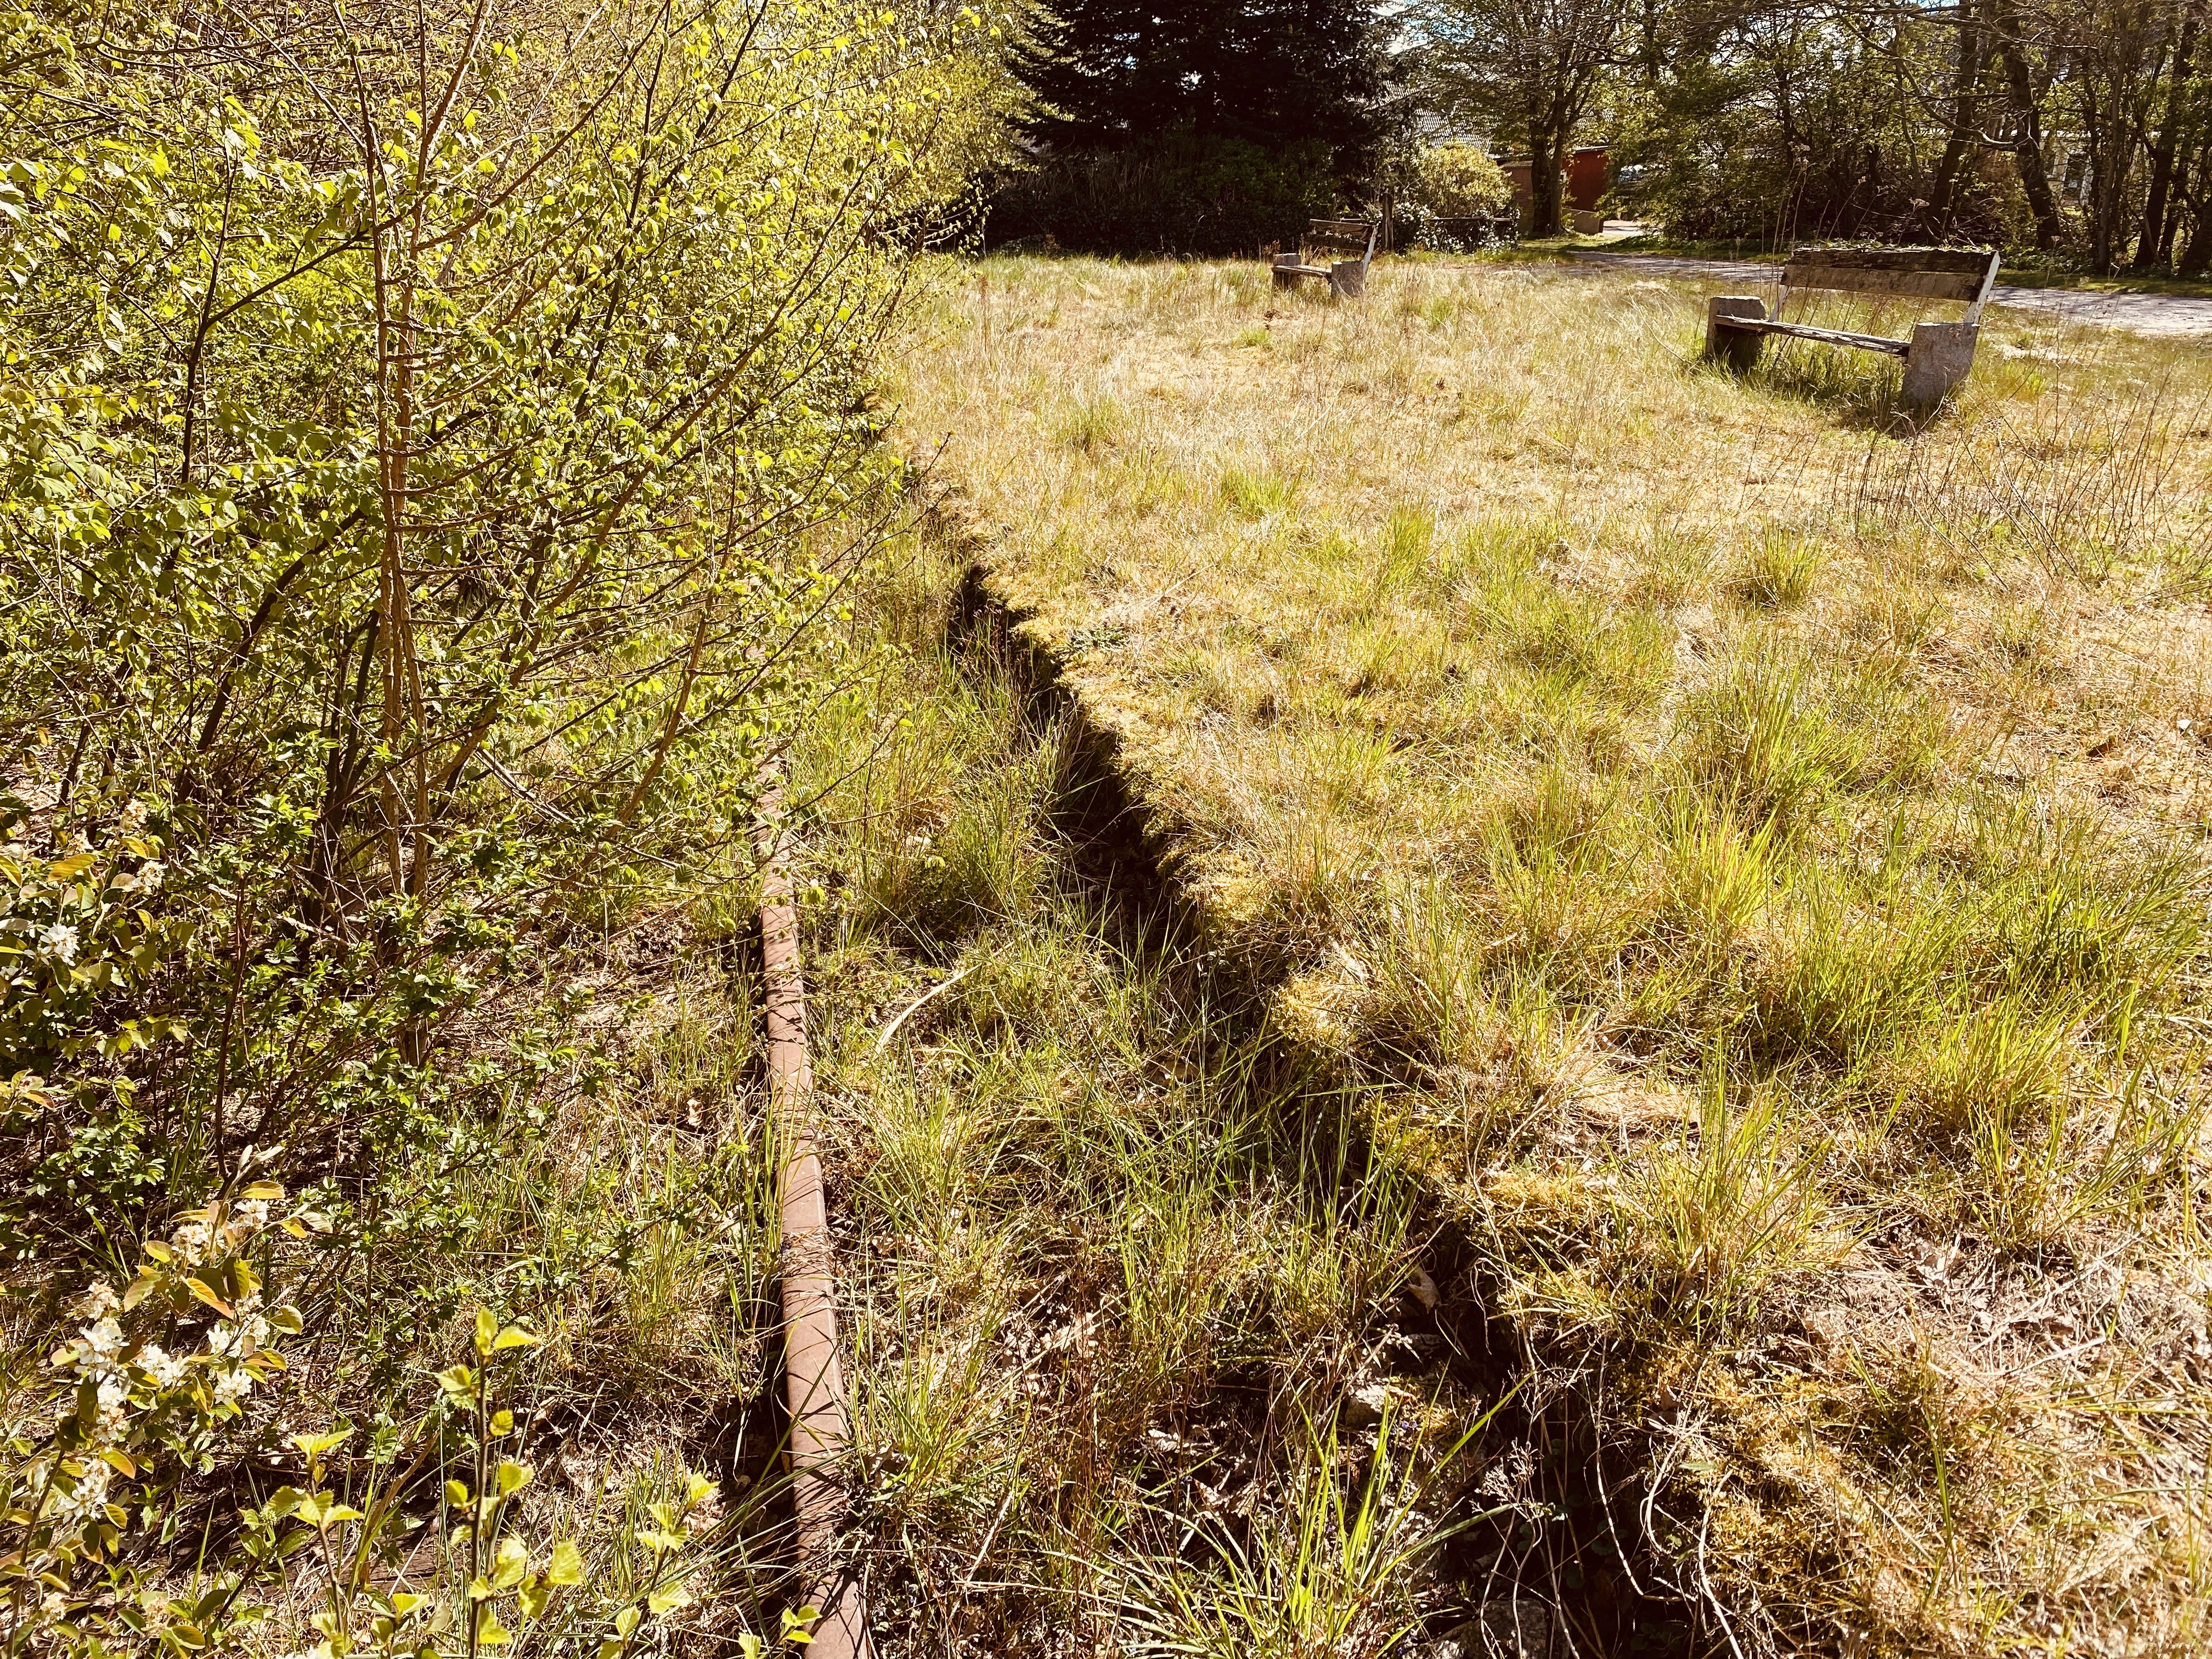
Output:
[[1924, 273], [1343, 233]]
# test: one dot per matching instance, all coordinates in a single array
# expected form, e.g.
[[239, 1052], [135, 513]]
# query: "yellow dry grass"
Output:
[[1751, 858]]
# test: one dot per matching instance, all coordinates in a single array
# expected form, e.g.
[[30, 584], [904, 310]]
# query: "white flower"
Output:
[[254, 1212], [99, 1298], [60, 941], [104, 1337], [232, 1386], [91, 1493], [166, 1369], [189, 1242], [132, 819]]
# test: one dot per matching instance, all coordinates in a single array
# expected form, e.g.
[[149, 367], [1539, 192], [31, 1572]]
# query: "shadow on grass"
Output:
[[1864, 390]]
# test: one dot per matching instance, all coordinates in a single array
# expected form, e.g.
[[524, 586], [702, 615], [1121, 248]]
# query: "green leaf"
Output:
[[513, 1563], [567, 1566], [487, 1332], [668, 1599], [515, 1337], [626, 1622], [315, 1445], [513, 1478]]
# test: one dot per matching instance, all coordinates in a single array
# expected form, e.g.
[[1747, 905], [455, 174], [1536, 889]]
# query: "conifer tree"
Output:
[[1117, 74], [1197, 126]]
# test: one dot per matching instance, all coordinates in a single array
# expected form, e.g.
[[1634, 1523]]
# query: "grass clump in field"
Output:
[[1749, 865]]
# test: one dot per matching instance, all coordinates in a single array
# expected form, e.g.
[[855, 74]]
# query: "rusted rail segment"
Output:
[[814, 1387]]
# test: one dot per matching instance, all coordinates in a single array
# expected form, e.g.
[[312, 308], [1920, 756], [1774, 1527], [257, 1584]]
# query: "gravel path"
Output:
[[2142, 313]]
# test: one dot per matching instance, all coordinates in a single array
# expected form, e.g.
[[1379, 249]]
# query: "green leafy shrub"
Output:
[[427, 457], [1458, 180]]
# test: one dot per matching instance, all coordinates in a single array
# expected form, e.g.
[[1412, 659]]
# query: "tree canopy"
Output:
[[1118, 74], [1200, 127]]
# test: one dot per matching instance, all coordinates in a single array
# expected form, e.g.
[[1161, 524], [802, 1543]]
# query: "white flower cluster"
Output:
[[146, 879], [74, 1500], [104, 1353], [57, 940], [191, 1242], [164, 1369]]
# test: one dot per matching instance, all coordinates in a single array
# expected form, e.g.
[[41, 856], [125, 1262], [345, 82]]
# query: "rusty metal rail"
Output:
[[814, 1387]]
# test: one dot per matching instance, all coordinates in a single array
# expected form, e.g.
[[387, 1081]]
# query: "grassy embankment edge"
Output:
[[1134, 835]]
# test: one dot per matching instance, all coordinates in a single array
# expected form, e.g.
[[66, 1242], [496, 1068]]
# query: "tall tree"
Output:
[[2017, 34], [1529, 69], [1119, 74], [1213, 126], [1966, 111], [2160, 220]]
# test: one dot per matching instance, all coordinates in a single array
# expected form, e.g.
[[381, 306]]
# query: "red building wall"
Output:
[[1586, 175]]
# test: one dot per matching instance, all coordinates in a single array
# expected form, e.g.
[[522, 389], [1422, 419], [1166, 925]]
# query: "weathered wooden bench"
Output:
[[1937, 357], [1344, 277]]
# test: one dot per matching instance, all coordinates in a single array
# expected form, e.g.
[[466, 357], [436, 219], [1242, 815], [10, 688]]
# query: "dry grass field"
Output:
[[1740, 867]]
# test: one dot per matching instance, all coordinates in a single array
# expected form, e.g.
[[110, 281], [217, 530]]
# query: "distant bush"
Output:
[[1454, 181]]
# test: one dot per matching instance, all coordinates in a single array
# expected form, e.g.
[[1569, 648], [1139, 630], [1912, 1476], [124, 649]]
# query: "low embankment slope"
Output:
[[1750, 862]]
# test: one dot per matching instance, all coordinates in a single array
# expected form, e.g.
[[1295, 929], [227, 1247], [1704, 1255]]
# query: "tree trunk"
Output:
[[1966, 116], [2034, 179], [2197, 258], [2154, 246], [1546, 145], [2111, 161]]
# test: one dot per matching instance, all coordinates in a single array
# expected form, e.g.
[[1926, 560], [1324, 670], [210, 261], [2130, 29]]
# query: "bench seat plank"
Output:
[[1826, 336]]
